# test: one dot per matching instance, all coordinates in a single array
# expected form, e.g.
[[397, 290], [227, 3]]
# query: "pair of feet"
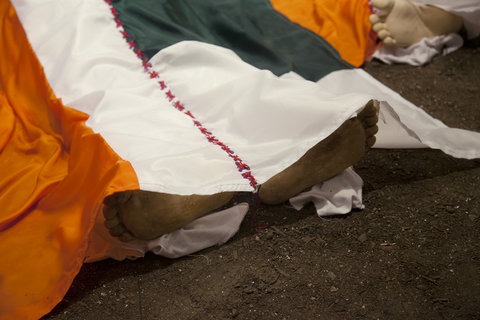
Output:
[[147, 215], [403, 23]]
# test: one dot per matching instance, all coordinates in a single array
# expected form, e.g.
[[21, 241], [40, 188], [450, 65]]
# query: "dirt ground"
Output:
[[412, 253]]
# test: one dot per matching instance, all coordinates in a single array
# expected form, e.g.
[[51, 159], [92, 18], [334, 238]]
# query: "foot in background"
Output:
[[403, 23]]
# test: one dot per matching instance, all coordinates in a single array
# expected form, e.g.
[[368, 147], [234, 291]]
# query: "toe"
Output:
[[377, 27], [369, 111], [383, 34], [371, 131], [110, 223], [109, 212], [370, 141], [389, 41], [383, 4], [116, 230], [112, 218], [111, 200], [374, 19], [370, 121]]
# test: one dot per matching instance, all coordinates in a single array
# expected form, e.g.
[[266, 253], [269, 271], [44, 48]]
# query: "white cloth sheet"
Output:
[[338, 195], [421, 52]]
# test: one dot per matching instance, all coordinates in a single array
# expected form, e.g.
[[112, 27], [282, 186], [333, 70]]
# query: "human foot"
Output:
[[147, 215], [403, 23], [329, 157]]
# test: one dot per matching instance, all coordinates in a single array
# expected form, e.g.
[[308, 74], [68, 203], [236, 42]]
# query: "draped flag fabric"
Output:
[[54, 173], [174, 96], [343, 23]]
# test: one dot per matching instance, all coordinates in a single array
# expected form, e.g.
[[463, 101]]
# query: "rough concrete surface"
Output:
[[412, 253]]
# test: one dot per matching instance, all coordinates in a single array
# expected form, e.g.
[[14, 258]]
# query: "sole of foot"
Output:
[[403, 23], [145, 215], [329, 157]]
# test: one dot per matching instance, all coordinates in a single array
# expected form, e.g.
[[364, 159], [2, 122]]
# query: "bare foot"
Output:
[[328, 158], [403, 23], [147, 215]]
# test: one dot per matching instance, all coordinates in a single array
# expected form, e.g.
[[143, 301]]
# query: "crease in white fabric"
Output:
[[338, 195], [422, 52], [207, 231]]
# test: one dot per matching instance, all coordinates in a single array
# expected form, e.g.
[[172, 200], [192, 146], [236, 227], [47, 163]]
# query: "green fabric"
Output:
[[252, 28]]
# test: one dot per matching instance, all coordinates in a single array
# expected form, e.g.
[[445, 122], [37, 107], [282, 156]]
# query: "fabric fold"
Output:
[[338, 195], [421, 52], [343, 23], [55, 172]]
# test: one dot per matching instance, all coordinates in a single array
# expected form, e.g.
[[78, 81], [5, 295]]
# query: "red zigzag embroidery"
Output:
[[243, 168]]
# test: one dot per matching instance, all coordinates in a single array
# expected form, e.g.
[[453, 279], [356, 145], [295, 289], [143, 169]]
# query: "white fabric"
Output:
[[95, 71], [259, 118], [421, 52], [402, 124], [213, 229], [338, 195], [269, 121]]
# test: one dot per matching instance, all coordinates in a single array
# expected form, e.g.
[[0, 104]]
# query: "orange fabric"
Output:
[[343, 23], [54, 174]]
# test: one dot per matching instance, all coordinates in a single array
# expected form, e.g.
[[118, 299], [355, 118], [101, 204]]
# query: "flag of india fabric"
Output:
[[174, 96]]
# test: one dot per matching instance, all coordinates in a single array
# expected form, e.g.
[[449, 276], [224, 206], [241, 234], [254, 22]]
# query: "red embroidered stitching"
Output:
[[203, 130], [146, 65], [132, 44], [153, 74], [188, 113], [178, 105], [212, 139], [119, 23], [170, 95], [161, 83], [241, 166], [139, 54]]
